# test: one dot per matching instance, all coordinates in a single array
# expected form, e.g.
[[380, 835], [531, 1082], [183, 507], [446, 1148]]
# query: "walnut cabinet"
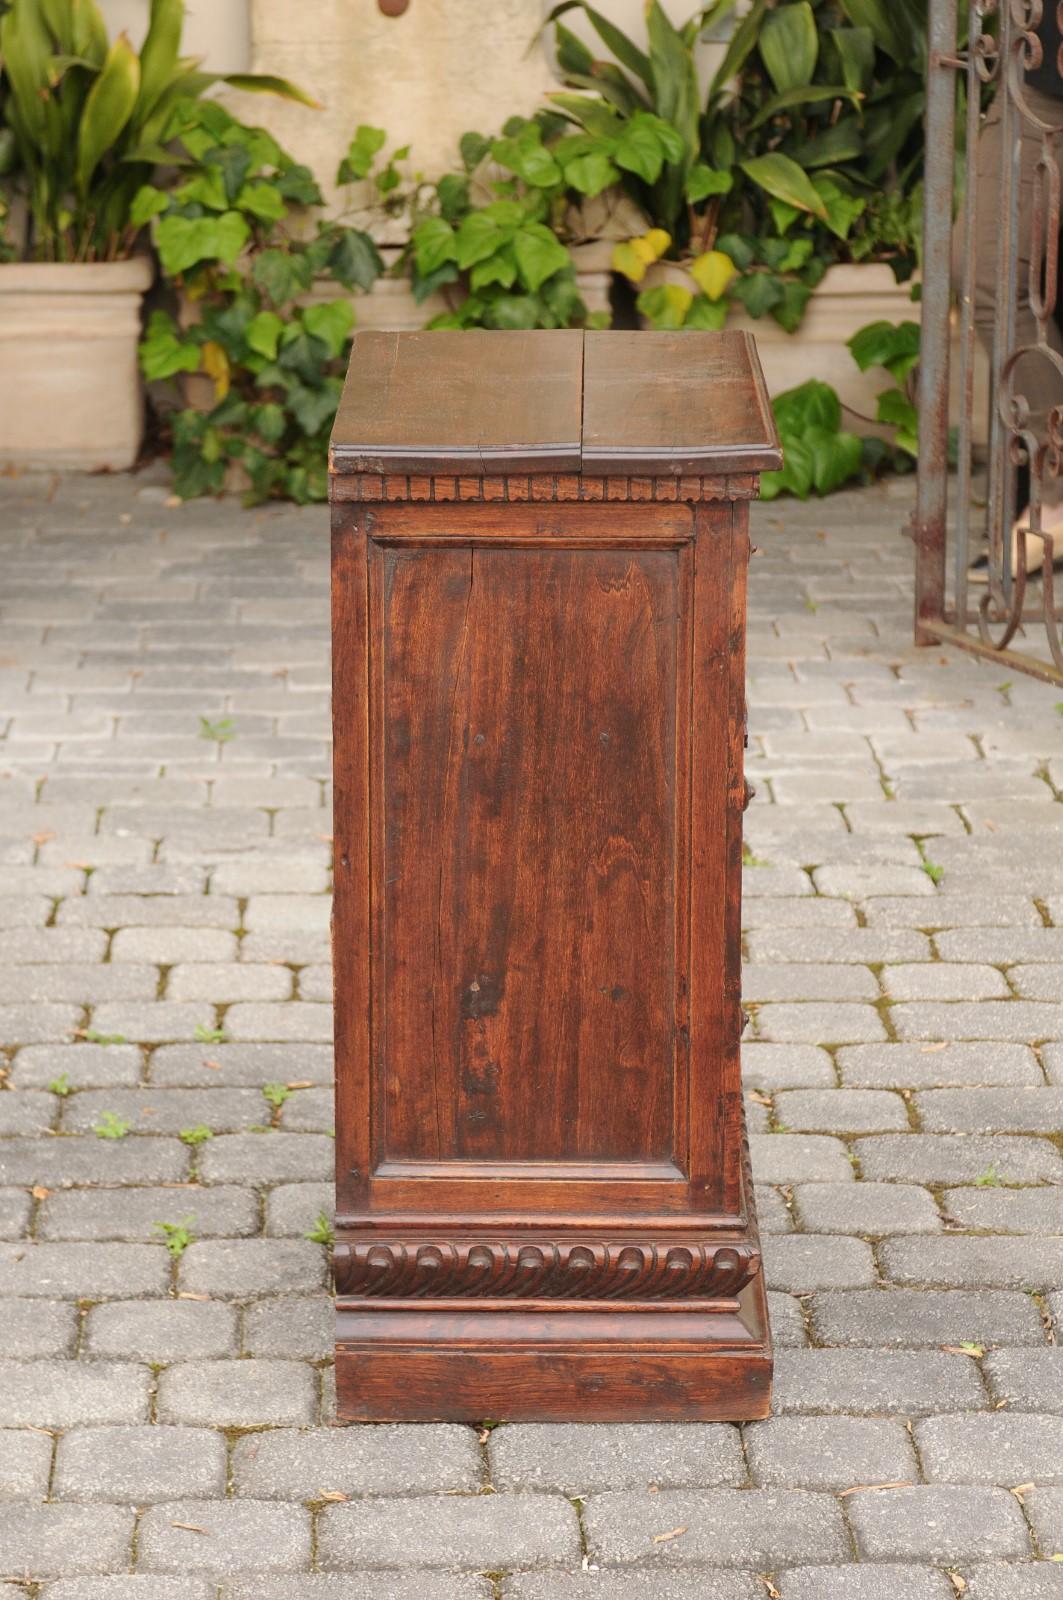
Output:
[[544, 1207]]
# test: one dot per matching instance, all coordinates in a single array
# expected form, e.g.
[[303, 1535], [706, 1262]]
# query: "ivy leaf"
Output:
[[560, 294], [184, 241], [268, 421], [163, 353], [281, 274], [811, 405], [264, 201], [354, 259], [434, 242], [513, 311], [473, 147], [797, 472], [790, 310], [263, 332], [331, 323], [841, 206], [592, 173], [426, 284], [713, 272], [313, 408], [759, 292], [298, 184], [234, 163], [500, 268], [453, 192], [303, 354], [539, 254], [640, 149], [739, 247], [479, 237], [528, 158], [710, 315], [836, 457], [361, 153], [665, 305], [703, 181], [895, 407], [889, 345]]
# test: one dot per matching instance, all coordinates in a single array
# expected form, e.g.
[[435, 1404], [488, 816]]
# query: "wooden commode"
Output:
[[544, 1208]]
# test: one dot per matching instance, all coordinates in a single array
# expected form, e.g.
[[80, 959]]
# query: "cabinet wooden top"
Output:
[[482, 404]]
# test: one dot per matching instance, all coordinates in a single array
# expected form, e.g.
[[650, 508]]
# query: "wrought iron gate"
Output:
[[1015, 618]]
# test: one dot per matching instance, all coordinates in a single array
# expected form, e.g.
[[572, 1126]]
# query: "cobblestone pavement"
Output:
[[164, 843]]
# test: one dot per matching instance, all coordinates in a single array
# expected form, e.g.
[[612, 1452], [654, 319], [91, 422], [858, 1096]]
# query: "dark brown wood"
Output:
[[468, 403], [666, 403], [544, 1207]]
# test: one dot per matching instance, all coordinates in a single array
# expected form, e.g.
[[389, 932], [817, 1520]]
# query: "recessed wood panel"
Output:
[[524, 732]]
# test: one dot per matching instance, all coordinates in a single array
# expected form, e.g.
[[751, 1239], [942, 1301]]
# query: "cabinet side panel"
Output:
[[527, 757], [716, 1130], [350, 917]]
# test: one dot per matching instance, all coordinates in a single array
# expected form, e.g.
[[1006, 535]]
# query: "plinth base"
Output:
[[666, 1363]]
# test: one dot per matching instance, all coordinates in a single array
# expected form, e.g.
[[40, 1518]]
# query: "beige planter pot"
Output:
[[70, 392], [594, 273], [848, 298]]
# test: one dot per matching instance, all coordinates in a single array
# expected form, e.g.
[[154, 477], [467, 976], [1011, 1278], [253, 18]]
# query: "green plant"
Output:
[[204, 1035], [803, 149], [61, 1086], [322, 1232], [819, 454], [111, 1126], [88, 119], [219, 732], [91, 1036], [894, 346], [243, 239], [933, 871], [989, 1179], [735, 178], [489, 235], [275, 1094], [176, 1236], [195, 1136]]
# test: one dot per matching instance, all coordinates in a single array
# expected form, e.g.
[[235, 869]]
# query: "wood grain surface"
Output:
[[527, 864]]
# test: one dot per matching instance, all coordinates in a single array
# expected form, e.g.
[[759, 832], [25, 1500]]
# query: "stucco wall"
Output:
[[443, 67]]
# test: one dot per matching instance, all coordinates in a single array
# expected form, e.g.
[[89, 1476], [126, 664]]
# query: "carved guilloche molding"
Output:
[[543, 1270]]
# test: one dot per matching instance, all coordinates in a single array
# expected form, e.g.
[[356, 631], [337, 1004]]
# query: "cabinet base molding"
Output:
[[707, 1361]]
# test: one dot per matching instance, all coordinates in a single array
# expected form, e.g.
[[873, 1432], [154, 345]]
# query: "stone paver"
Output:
[[760, 1528], [879, 1318], [943, 1523], [401, 1459], [577, 1459], [223, 1537], [133, 1465], [906, 1035], [829, 1452], [1002, 1449], [470, 1533]]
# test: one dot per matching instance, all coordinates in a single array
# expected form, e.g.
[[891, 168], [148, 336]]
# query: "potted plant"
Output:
[[793, 208], [86, 122]]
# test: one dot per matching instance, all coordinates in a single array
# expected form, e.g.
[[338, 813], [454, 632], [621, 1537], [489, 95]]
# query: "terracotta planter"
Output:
[[848, 298], [70, 391]]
